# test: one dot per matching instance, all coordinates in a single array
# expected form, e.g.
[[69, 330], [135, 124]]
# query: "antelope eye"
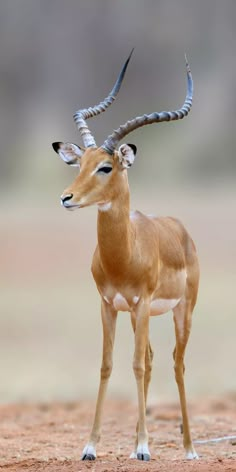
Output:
[[104, 169]]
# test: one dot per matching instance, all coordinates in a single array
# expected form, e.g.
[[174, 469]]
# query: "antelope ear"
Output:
[[69, 153], [126, 154]]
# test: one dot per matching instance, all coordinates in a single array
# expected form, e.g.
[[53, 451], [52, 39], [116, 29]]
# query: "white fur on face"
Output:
[[100, 165]]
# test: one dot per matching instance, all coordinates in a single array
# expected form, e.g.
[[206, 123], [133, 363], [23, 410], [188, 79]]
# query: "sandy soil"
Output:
[[50, 437]]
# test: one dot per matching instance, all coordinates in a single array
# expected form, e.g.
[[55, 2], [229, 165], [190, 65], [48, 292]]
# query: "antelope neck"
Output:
[[114, 231]]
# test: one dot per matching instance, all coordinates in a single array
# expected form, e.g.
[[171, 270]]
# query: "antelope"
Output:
[[143, 265]]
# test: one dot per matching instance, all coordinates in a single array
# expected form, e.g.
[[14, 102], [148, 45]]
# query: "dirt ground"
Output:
[[50, 437]]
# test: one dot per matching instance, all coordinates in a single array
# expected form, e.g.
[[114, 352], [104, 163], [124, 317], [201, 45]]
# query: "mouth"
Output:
[[70, 206]]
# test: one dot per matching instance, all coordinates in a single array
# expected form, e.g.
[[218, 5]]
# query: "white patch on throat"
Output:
[[160, 306], [104, 206]]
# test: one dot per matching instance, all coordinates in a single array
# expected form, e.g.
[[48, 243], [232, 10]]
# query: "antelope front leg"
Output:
[[141, 343], [109, 316], [147, 377]]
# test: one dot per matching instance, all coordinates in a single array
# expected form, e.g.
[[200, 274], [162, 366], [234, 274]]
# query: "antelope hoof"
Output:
[[143, 453], [191, 455], [143, 457], [88, 457], [89, 453]]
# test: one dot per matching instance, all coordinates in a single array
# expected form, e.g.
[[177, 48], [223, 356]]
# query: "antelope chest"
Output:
[[166, 296], [158, 306], [121, 302]]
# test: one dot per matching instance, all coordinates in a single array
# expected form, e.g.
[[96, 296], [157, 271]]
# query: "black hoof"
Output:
[[143, 457], [88, 457]]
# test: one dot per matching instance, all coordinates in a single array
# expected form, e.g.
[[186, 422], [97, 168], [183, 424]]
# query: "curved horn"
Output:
[[110, 144], [81, 115]]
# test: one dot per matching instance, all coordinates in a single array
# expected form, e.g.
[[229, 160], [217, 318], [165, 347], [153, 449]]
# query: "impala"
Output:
[[143, 265]]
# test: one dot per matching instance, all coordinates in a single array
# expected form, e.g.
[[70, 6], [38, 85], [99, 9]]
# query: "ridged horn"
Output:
[[110, 143], [81, 115]]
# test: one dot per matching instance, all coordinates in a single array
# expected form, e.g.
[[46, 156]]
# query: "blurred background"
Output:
[[57, 57]]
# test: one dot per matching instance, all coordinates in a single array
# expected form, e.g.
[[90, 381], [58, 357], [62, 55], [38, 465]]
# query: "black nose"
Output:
[[66, 198]]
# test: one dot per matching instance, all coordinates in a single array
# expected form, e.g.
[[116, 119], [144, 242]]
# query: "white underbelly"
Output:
[[158, 306]]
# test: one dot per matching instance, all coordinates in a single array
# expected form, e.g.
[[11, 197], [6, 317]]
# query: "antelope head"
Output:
[[100, 167]]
